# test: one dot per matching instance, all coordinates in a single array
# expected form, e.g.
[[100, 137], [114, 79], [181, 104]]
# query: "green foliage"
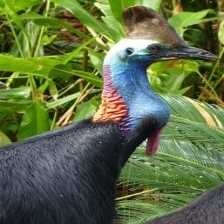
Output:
[[117, 7], [183, 20], [169, 77], [190, 161], [85, 17], [86, 110], [4, 139], [221, 32], [34, 121]]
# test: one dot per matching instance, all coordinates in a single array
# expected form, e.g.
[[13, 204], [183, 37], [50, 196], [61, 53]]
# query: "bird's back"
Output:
[[208, 209], [67, 176]]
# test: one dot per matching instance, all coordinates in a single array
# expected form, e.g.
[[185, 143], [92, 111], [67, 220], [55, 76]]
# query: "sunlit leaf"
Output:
[[4, 140], [16, 93], [59, 102], [221, 32], [35, 121], [40, 65], [21, 4], [85, 17], [86, 110], [185, 19]]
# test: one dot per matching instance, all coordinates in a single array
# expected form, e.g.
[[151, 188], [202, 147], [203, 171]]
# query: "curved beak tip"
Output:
[[196, 53], [187, 52], [206, 55]]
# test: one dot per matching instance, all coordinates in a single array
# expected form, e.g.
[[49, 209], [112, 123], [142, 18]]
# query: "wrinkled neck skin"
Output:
[[129, 97]]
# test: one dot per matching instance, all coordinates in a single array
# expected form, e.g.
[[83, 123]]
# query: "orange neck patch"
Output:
[[113, 107]]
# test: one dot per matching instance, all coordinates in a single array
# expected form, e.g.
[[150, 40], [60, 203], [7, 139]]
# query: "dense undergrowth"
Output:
[[50, 62]]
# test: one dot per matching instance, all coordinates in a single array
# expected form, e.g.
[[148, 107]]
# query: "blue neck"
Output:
[[132, 84]]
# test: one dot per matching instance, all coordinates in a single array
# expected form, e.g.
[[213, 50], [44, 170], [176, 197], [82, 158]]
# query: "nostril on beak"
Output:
[[203, 53]]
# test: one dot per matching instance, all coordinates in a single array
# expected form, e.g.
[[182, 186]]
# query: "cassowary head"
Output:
[[127, 97]]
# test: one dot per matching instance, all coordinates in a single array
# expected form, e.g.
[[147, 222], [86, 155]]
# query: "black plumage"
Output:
[[208, 209], [64, 177]]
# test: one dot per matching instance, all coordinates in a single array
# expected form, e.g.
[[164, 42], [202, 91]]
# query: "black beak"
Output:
[[186, 52]]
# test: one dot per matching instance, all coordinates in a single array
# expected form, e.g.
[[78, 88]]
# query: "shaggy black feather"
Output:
[[65, 177], [208, 209]]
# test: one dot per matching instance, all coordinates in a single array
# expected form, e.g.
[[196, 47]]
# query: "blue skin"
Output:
[[130, 79]]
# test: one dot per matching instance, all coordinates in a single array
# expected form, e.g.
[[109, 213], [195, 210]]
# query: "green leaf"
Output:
[[14, 105], [39, 65], [92, 78], [45, 66], [35, 121], [85, 17], [154, 4], [62, 101], [168, 77], [221, 32], [116, 8], [86, 110], [185, 19], [53, 90], [96, 60], [16, 93], [76, 52], [63, 71], [111, 18], [18, 5], [47, 21], [190, 161], [4, 140]]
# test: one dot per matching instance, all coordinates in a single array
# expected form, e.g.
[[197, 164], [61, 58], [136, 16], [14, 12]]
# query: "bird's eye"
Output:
[[129, 51]]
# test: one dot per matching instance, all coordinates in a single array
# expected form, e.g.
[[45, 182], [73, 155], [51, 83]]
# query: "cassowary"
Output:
[[208, 209], [68, 176]]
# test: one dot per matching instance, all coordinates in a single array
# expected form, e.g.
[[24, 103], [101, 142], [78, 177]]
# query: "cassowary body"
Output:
[[208, 209], [69, 176]]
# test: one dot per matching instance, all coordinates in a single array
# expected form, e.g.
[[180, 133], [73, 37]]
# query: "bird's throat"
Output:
[[113, 107], [130, 102]]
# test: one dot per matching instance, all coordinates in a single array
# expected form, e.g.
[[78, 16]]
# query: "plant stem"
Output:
[[15, 36], [219, 80], [136, 194], [37, 44], [216, 65], [207, 84]]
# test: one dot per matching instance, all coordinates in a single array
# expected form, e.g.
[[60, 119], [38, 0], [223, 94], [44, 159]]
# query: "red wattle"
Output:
[[153, 142]]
